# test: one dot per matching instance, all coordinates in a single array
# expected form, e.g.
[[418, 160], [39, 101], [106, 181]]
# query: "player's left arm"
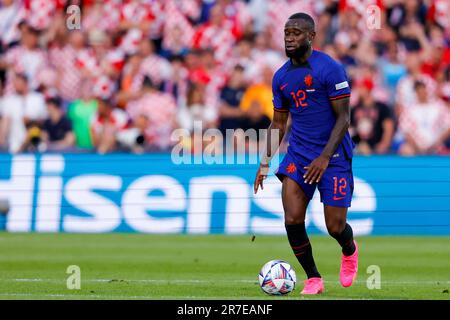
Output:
[[316, 169]]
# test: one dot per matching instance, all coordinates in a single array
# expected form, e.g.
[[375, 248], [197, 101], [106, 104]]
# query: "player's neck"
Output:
[[300, 61]]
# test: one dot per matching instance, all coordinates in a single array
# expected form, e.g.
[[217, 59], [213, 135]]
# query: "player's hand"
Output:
[[261, 175], [316, 169]]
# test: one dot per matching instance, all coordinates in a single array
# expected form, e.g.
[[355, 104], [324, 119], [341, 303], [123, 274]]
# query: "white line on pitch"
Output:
[[70, 296], [136, 280], [211, 280], [261, 297], [24, 295]]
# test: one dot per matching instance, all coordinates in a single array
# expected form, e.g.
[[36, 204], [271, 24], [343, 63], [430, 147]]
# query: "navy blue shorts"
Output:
[[335, 187]]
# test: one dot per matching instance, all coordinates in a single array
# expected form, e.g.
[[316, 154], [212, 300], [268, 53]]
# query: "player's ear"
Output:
[[312, 35]]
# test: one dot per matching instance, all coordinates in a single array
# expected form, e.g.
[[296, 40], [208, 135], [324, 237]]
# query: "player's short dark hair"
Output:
[[305, 17]]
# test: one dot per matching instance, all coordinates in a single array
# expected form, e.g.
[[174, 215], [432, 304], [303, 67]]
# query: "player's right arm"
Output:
[[275, 134]]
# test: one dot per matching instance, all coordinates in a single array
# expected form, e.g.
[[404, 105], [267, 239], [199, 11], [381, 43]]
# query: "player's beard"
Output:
[[299, 52]]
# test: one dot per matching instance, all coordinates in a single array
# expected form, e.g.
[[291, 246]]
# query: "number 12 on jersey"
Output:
[[299, 98]]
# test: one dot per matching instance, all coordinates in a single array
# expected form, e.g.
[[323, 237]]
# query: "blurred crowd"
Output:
[[136, 70]]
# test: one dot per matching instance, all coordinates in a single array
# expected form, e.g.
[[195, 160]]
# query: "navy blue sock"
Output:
[[299, 241], [345, 239]]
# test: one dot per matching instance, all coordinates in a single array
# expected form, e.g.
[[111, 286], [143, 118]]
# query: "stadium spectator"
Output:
[[218, 33], [255, 118], [242, 55], [27, 58], [153, 65], [251, 123], [133, 139], [11, 14], [102, 15], [263, 54], [179, 43], [261, 92], [160, 109], [81, 112], [23, 112], [131, 80], [196, 115], [230, 114], [277, 14], [177, 84], [107, 123], [405, 93], [177, 40], [425, 125], [57, 134], [372, 124], [68, 61], [392, 69]]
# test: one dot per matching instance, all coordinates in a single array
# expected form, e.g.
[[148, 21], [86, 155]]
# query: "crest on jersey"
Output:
[[308, 80], [291, 168]]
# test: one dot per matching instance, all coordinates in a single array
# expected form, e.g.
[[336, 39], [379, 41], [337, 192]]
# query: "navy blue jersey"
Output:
[[306, 92]]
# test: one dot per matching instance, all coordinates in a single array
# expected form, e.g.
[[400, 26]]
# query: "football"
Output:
[[277, 277]]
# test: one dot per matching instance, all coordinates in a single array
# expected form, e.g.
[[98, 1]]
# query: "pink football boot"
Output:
[[349, 268], [313, 286]]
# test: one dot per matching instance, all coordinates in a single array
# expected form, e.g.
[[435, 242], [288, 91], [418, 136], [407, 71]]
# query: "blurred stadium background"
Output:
[[86, 117]]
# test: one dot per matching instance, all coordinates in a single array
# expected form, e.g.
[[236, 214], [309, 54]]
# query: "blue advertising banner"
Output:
[[151, 194]]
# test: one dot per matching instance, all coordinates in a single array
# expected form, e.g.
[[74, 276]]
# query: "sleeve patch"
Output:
[[341, 85]]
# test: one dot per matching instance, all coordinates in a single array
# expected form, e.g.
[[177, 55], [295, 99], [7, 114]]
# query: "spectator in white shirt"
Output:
[[11, 13], [21, 111], [425, 125]]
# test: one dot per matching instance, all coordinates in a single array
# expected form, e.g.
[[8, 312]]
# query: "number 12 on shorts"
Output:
[[339, 188]]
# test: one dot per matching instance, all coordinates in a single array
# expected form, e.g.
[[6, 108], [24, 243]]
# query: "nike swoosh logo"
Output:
[[338, 198], [283, 86]]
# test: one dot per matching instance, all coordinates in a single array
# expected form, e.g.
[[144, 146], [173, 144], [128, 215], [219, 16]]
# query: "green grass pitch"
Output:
[[137, 266]]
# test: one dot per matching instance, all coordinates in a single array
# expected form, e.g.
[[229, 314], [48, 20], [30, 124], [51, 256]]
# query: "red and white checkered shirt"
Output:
[[21, 60], [118, 119], [70, 75], [103, 87], [129, 43], [103, 16], [160, 109], [88, 63], [144, 11], [239, 14], [113, 60], [360, 6], [155, 67], [191, 9], [279, 12], [40, 13], [425, 122], [176, 19], [439, 11], [405, 93], [219, 38]]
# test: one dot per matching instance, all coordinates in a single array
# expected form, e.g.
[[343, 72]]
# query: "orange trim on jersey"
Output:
[[281, 110], [340, 96]]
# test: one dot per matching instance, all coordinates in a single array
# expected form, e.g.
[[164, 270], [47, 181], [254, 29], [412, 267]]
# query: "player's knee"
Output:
[[335, 229], [292, 219]]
